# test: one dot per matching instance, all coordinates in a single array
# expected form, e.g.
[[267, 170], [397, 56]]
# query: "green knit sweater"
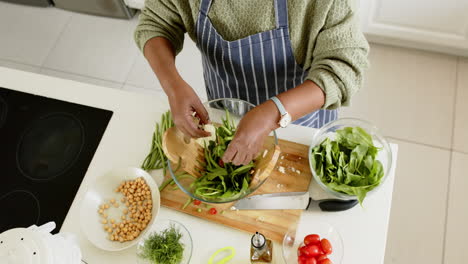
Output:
[[325, 35]]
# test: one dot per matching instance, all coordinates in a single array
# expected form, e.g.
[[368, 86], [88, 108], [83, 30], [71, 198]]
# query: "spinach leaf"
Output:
[[222, 181]]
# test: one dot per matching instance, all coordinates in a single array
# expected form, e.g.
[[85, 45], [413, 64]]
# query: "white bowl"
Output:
[[101, 191]]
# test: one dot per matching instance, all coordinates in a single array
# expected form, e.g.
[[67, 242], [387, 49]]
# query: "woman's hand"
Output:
[[183, 102], [250, 135]]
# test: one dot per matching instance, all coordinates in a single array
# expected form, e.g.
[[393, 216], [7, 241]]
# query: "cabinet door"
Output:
[[440, 25]]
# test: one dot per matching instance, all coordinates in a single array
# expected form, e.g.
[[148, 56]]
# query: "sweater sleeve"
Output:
[[339, 56], [160, 18]]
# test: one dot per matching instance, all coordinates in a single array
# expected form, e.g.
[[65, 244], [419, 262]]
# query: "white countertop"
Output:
[[126, 143]]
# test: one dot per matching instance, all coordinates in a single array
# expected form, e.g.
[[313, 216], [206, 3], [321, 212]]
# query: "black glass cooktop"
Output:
[[46, 146]]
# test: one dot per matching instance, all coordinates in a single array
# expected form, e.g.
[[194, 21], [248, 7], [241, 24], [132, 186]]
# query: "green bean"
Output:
[[156, 158]]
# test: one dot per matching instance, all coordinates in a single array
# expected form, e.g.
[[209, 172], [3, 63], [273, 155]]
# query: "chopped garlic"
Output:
[[260, 219], [282, 157], [265, 153], [281, 169], [279, 186], [293, 169], [298, 171]]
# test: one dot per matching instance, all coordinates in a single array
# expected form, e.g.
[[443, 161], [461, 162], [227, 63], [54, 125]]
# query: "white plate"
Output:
[[101, 191]]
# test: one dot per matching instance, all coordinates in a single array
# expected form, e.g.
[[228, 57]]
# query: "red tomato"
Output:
[[303, 251], [326, 246], [212, 211], [301, 259], [313, 250], [196, 202], [311, 261], [312, 239], [321, 257], [325, 261]]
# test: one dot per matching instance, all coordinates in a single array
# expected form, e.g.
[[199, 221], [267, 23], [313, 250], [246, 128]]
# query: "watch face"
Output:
[[285, 120]]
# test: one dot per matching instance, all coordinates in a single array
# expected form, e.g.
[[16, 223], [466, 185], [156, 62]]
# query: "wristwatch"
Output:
[[285, 119]]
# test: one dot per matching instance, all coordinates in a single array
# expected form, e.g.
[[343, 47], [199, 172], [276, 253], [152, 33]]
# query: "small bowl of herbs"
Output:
[[349, 158], [167, 242]]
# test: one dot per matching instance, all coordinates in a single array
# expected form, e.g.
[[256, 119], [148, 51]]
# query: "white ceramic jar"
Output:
[[36, 245]]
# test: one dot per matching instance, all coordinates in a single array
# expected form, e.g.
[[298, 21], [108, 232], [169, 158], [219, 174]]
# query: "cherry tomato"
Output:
[[326, 246], [221, 163], [303, 251], [321, 257], [197, 202], [312, 239], [212, 211], [302, 259], [311, 261], [325, 261], [312, 250]]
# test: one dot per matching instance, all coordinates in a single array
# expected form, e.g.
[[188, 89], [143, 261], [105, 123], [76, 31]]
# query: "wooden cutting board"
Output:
[[291, 174]]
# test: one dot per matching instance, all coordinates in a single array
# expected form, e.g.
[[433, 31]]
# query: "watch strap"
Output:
[[278, 104]]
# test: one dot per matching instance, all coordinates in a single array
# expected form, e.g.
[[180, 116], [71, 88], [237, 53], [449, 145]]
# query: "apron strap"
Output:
[[281, 10], [205, 7]]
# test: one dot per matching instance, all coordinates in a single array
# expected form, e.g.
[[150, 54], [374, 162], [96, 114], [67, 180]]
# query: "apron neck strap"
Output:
[[281, 10], [205, 6]]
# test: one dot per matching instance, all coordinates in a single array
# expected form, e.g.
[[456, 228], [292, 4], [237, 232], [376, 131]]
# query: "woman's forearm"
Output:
[[302, 99], [299, 101], [161, 57]]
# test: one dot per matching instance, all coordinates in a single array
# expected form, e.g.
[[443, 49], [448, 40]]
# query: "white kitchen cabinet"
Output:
[[438, 25]]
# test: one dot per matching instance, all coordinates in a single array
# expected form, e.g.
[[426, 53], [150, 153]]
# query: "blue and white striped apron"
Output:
[[254, 68]]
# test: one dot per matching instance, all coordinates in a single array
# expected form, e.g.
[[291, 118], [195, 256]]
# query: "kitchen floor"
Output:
[[416, 98]]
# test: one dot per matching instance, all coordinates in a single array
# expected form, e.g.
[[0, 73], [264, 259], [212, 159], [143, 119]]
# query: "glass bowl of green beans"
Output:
[[219, 182]]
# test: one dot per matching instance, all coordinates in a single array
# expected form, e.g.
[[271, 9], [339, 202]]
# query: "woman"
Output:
[[296, 60]]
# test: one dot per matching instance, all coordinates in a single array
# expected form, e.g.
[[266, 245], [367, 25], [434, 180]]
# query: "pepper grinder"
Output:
[[261, 249]]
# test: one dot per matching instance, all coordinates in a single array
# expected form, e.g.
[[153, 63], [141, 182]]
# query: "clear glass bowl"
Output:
[[328, 131], [294, 238], [217, 110], [160, 226]]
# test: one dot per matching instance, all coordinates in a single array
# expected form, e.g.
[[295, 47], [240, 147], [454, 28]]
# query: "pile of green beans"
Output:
[[156, 159]]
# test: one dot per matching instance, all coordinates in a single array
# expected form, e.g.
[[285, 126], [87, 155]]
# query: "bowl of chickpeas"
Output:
[[119, 208]]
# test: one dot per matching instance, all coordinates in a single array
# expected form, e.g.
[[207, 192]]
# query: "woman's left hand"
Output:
[[251, 133]]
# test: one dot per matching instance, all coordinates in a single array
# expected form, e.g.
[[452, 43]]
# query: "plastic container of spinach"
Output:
[[222, 183], [349, 158]]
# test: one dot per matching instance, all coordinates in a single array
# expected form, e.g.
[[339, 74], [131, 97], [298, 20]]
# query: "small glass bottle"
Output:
[[261, 249]]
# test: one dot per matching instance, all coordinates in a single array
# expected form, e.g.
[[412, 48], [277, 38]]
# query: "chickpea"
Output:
[[104, 215], [122, 200], [106, 206], [121, 239], [104, 221], [112, 200]]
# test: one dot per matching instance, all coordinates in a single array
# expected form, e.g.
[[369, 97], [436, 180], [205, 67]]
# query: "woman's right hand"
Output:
[[183, 102]]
